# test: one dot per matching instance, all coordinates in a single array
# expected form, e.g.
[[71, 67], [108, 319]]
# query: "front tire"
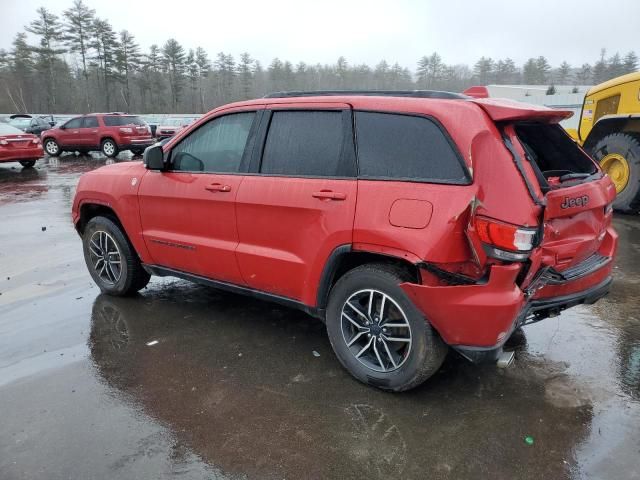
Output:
[[109, 148], [51, 147], [27, 163], [619, 156], [378, 334], [110, 258]]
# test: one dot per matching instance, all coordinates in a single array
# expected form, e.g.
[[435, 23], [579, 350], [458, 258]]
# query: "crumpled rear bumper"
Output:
[[478, 319]]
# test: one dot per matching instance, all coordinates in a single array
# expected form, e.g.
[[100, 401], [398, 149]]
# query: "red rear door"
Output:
[[300, 204]]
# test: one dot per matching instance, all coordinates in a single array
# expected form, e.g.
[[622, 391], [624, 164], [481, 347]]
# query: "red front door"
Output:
[[301, 204], [188, 213]]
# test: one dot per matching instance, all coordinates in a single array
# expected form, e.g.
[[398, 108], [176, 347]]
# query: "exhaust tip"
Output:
[[505, 359]]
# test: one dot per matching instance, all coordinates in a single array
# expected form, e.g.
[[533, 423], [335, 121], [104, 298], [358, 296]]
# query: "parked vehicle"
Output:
[[170, 126], [29, 124], [109, 133], [153, 123], [406, 230], [18, 146]]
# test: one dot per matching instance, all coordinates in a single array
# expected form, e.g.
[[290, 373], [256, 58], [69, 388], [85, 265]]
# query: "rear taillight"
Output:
[[505, 241], [126, 130]]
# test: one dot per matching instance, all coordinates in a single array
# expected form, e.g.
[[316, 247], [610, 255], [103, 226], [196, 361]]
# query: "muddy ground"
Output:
[[233, 389]]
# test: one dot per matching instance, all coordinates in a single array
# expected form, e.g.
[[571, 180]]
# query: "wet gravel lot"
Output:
[[233, 389]]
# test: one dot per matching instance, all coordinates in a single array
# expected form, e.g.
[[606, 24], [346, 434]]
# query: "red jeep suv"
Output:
[[409, 222], [106, 132]]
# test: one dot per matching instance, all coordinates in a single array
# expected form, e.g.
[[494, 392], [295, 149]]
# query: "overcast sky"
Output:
[[367, 31]]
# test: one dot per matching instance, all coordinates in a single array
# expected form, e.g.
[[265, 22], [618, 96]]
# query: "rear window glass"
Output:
[[405, 147], [305, 143], [6, 129], [552, 150], [20, 122], [122, 120]]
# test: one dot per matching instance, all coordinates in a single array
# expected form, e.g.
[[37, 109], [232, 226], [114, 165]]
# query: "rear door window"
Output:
[[90, 122], [306, 143], [405, 147]]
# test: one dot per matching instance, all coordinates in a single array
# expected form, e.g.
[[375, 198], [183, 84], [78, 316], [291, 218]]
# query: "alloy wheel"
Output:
[[376, 330], [105, 257], [108, 148], [51, 147]]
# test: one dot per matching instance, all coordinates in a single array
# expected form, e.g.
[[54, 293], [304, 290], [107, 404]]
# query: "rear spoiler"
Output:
[[502, 110]]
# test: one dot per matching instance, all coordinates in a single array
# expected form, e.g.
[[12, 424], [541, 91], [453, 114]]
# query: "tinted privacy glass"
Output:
[[217, 146], [75, 123], [90, 122], [305, 143], [552, 149], [405, 147], [121, 120]]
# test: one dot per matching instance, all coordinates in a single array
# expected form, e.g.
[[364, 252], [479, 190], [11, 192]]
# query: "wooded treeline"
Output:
[[77, 62]]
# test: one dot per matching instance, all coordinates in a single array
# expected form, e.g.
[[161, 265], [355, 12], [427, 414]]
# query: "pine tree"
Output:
[[173, 59], [483, 70], [77, 37], [563, 73], [630, 62], [204, 66], [106, 44], [48, 28], [600, 68], [584, 75], [127, 62], [615, 67], [246, 75]]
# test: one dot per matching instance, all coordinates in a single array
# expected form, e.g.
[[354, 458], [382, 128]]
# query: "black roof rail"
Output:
[[370, 93]]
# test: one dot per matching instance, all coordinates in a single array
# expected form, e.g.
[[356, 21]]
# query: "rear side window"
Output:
[[406, 148], [552, 150], [121, 120], [305, 143]]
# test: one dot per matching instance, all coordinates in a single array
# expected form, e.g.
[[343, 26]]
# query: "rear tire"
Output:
[[622, 150], [109, 148], [416, 346], [28, 163], [111, 260], [52, 148]]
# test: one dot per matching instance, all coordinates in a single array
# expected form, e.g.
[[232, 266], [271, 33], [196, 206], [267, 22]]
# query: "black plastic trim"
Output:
[[518, 162], [328, 274], [230, 287], [369, 93]]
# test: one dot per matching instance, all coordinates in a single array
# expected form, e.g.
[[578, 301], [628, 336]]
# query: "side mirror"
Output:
[[153, 158], [62, 127]]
